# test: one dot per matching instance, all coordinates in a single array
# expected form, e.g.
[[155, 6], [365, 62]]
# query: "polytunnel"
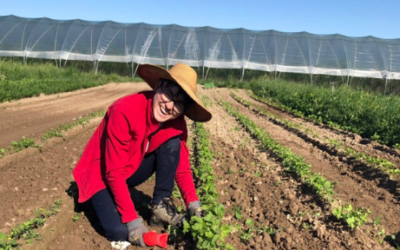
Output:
[[204, 47]]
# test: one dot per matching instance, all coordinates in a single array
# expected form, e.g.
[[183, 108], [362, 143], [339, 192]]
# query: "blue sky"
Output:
[[379, 18]]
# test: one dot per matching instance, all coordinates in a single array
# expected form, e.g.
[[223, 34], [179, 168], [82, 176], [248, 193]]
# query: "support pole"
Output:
[[386, 81]]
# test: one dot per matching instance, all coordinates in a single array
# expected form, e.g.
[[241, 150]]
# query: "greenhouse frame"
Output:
[[206, 47]]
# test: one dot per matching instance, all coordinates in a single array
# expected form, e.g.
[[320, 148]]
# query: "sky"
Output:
[[354, 18]]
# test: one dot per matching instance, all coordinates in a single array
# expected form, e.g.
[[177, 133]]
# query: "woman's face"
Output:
[[168, 101]]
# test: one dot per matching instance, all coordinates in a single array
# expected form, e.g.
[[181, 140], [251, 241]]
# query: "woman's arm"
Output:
[[184, 176], [116, 158]]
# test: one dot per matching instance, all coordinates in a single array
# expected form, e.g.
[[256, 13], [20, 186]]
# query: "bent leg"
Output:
[[143, 173], [167, 160], [109, 217]]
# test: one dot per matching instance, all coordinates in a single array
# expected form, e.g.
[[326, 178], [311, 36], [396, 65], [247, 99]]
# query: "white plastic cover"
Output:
[[166, 45]]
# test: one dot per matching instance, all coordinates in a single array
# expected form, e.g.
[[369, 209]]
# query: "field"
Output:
[[282, 180]]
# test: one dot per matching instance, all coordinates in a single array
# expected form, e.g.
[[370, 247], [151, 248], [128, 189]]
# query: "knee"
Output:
[[171, 146], [119, 233], [169, 151]]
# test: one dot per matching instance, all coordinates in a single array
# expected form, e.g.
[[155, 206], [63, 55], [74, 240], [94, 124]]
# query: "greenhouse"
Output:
[[203, 47]]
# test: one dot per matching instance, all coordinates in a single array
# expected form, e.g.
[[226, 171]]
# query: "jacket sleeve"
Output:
[[184, 177], [116, 158]]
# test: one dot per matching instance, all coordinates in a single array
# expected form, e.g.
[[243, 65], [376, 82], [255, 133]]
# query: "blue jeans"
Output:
[[164, 162]]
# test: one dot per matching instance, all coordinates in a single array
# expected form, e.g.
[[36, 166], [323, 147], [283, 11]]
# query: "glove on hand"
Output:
[[136, 229], [196, 209]]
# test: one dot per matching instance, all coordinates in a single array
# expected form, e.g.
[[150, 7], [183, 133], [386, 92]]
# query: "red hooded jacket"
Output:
[[118, 146]]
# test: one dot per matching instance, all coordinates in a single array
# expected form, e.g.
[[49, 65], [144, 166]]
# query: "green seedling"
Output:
[[353, 217], [237, 210], [76, 217]]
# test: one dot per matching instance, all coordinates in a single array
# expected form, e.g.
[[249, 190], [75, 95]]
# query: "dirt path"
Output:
[[31, 117]]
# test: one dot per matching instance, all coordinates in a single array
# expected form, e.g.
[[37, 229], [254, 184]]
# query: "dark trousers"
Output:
[[164, 162]]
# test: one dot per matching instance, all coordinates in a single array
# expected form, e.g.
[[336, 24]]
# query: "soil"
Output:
[[252, 183]]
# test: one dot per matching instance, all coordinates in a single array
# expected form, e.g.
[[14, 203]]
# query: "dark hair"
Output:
[[187, 100]]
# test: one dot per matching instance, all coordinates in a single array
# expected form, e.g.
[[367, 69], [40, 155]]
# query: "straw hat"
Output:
[[186, 77]]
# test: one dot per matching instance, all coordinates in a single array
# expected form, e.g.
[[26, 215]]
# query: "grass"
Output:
[[18, 80]]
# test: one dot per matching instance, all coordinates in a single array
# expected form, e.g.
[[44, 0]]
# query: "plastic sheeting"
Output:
[[269, 50]]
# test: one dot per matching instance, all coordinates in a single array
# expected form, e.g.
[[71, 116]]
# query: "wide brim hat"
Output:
[[186, 78]]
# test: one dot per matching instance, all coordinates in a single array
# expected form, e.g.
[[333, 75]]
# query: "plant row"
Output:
[[369, 115], [27, 230], [24, 143], [208, 231], [353, 217], [18, 80], [337, 148]]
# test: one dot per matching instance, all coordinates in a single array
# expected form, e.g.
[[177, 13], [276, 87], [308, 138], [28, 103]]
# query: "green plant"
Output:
[[335, 143], [27, 229], [52, 133], [6, 242], [305, 225], [237, 210], [76, 217], [209, 85], [377, 221], [254, 229], [257, 174], [345, 108], [353, 217], [381, 235], [24, 143], [176, 193], [375, 137], [208, 232], [20, 80]]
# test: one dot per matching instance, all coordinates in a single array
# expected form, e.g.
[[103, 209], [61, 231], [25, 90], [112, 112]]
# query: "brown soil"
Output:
[[250, 181]]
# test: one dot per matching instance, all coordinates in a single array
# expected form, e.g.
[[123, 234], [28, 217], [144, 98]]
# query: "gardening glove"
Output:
[[196, 209], [136, 229]]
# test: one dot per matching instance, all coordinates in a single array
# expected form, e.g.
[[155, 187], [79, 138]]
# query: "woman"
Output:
[[141, 134]]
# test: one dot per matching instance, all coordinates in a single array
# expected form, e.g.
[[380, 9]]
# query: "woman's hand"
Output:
[[136, 229], [196, 209]]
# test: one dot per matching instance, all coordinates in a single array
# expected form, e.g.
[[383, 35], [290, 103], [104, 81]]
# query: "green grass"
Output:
[[18, 80]]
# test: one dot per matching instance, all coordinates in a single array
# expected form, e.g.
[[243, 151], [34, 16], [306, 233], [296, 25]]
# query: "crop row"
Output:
[[28, 230], [353, 217], [331, 146], [24, 143], [369, 115], [208, 231]]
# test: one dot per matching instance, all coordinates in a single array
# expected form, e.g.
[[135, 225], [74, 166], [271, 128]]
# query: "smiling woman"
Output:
[[142, 134], [169, 101]]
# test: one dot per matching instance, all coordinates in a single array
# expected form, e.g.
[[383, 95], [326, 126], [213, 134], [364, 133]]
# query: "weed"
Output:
[[305, 225], [76, 217], [237, 210], [257, 174], [377, 221]]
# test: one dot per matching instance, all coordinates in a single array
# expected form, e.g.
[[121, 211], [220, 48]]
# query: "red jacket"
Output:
[[118, 146]]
